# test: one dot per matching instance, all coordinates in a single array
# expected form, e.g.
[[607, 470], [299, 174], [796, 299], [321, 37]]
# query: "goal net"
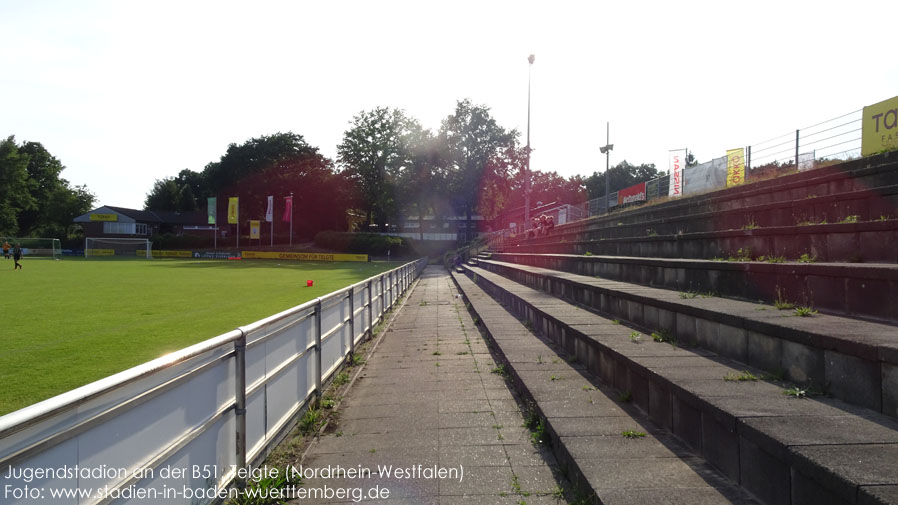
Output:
[[127, 247], [48, 247]]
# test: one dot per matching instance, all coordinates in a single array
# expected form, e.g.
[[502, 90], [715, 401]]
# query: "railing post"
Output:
[[318, 351], [351, 322], [370, 311], [240, 404], [383, 305]]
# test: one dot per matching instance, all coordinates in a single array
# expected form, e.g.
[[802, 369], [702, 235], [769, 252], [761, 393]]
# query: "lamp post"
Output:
[[606, 150], [527, 170]]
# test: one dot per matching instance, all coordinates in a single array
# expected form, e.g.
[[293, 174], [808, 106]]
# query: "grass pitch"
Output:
[[67, 323]]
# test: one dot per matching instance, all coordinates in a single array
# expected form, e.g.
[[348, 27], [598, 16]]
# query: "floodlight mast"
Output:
[[527, 170], [606, 150]]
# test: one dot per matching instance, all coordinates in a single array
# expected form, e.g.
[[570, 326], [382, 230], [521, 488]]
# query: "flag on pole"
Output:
[[269, 214], [211, 203], [254, 229], [232, 210], [288, 209], [676, 164]]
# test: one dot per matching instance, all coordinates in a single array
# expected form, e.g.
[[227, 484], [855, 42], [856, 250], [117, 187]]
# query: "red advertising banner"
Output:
[[632, 194]]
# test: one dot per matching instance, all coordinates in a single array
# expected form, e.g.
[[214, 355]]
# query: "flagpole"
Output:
[[291, 219], [238, 226]]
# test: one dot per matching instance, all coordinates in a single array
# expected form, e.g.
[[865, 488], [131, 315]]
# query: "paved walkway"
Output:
[[427, 397]]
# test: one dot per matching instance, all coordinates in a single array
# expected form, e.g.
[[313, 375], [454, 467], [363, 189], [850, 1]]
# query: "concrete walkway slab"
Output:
[[427, 400]]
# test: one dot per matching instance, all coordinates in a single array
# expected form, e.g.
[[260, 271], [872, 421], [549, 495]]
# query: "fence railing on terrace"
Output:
[[208, 409], [807, 148]]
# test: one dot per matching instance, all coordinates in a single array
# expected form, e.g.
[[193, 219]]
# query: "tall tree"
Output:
[[14, 194], [372, 154], [476, 147], [170, 195], [164, 195], [34, 199], [278, 165]]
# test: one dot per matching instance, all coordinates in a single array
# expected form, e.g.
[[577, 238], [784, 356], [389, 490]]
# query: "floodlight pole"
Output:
[[527, 170], [606, 149]]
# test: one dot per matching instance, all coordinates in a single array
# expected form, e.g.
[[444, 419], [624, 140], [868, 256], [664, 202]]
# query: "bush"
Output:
[[364, 243]]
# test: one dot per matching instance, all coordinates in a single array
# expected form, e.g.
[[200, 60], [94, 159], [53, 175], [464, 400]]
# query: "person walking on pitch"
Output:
[[6, 249], [16, 256]]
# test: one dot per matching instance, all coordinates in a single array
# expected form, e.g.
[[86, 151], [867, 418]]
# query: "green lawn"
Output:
[[70, 322]]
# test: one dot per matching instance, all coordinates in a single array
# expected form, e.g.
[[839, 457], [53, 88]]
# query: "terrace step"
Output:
[[857, 290], [875, 241], [585, 425], [856, 361], [781, 449]]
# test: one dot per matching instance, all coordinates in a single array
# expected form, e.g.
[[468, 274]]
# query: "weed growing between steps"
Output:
[[740, 377]]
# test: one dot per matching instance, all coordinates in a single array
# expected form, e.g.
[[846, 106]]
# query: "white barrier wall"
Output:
[[171, 430]]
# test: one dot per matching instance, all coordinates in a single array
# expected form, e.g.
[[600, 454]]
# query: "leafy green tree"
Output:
[[372, 154], [422, 176], [478, 148], [34, 199], [14, 194], [167, 194], [690, 160]]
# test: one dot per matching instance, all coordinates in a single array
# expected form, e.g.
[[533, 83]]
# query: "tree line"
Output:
[[388, 167]]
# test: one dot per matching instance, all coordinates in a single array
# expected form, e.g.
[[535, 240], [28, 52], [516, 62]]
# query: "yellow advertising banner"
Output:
[[735, 167], [165, 254], [104, 217], [102, 252], [233, 212], [880, 127], [254, 229], [255, 255]]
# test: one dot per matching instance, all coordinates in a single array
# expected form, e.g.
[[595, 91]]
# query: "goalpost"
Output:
[[129, 247], [49, 247]]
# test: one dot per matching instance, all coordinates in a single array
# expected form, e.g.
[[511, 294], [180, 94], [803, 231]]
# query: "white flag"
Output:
[[270, 212], [677, 165]]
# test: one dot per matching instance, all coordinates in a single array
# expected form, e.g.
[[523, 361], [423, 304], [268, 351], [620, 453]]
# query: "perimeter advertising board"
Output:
[[632, 194], [880, 127], [249, 255]]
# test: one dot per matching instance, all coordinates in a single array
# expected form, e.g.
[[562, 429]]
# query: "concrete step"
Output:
[[856, 290], [875, 241], [585, 424], [856, 361], [782, 449]]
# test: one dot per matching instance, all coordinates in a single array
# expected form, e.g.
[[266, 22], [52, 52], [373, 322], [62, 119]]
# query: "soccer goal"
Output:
[[130, 247], [48, 247]]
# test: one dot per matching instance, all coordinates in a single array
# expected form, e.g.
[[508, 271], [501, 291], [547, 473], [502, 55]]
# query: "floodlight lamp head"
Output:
[[607, 148], [531, 58]]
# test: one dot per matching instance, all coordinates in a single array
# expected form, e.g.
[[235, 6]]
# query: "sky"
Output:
[[124, 93]]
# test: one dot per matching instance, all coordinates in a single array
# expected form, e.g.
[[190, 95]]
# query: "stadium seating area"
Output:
[[756, 326]]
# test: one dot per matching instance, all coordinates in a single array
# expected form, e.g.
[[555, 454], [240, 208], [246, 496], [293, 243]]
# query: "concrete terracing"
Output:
[[783, 449]]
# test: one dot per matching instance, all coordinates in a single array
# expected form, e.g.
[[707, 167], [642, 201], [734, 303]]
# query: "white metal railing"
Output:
[[206, 410]]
